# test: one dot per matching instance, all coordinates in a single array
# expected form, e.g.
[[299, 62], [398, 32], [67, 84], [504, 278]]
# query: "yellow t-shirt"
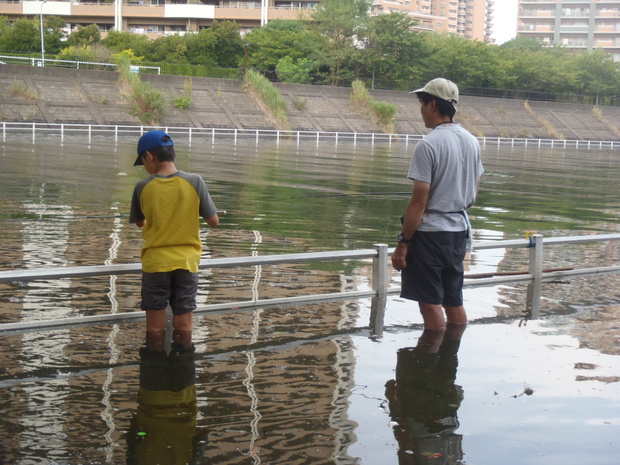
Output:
[[171, 206]]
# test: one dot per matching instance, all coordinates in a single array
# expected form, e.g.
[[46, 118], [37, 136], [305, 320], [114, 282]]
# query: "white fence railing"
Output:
[[77, 64], [257, 135], [535, 276]]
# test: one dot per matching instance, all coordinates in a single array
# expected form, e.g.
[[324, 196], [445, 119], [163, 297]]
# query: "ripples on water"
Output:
[[304, 384]]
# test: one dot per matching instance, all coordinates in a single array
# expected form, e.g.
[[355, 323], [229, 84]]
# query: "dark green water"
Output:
[[306, 384]]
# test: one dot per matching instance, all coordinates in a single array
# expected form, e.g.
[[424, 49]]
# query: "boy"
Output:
[[167, 205]]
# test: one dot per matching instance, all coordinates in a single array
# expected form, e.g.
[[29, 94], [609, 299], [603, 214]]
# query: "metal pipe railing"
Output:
[[213, 134], [535, 276]]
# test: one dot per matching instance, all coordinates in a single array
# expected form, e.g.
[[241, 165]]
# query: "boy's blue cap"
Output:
[[152, 140]]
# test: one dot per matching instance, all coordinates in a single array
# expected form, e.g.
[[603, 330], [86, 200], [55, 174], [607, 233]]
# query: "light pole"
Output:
[[42, 40]]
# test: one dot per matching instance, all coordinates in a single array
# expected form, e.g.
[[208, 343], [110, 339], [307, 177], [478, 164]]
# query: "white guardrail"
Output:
[[77, 64], [213, 134], [379, 255]]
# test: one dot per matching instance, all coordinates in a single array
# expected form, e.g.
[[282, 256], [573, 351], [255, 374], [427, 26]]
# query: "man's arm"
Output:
[[413, 219]]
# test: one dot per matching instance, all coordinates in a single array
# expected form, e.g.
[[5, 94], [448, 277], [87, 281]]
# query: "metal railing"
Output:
[[257, 135], [379, 291], [77, 64]]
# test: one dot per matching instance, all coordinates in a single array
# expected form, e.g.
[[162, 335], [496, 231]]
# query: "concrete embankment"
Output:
[[55, 95]]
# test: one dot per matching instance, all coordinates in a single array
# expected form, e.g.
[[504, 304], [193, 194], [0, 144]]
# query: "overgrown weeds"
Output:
[[382, 113], [21, 89], [299, 102], [598, 114], [550, 129], [184, 101], [147, 103], [269, 98]]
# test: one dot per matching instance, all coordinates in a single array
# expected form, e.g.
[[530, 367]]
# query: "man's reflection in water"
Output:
[[424, 400], [163, 430]]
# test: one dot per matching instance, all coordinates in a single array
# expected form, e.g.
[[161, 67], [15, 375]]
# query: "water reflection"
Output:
[[163, 430], [423, 399]]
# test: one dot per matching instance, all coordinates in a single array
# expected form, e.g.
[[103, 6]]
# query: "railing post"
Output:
[[536, 270], [380, 286]]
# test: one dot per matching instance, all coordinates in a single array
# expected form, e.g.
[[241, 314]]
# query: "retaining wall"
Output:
[[94, 97]]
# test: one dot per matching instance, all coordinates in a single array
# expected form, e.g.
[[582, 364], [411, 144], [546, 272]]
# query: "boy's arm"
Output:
[[135, 213], [213, 220]]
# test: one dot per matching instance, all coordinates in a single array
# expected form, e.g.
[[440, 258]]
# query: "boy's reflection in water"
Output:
[[424, 400], [163, 431]]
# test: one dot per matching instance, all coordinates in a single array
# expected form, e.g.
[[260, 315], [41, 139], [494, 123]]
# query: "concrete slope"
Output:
[[69, 96]]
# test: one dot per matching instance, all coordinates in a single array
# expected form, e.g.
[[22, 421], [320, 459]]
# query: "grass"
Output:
[[20, 89], [550, 129], [269, 98], [184, 101], [598, 114], [299, 102], [147, 103], [382, 113]]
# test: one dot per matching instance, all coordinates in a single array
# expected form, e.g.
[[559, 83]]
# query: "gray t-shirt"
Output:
[[449, 159]]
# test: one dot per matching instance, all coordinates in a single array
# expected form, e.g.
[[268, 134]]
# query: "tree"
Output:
[[87, 35], [389, 48], [597, 74], [466, 62], [220, 45], [341, 21], [280, 39], [295, 71], [54, 33], [119, 41], [171, 49], [23, 36]]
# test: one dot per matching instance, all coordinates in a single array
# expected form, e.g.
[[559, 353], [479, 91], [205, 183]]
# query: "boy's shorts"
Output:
[[178, 287], [434, 273]]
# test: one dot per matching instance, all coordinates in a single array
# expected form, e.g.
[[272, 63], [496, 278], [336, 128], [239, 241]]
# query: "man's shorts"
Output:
[[178, 287], [434, 273]]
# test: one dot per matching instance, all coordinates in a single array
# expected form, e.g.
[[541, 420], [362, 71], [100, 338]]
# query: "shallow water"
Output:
[[306, 384]]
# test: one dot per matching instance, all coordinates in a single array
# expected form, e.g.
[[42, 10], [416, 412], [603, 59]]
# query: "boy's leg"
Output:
[[155, 320], [183, 325], [155, 338], [183, 303], [155, 329]]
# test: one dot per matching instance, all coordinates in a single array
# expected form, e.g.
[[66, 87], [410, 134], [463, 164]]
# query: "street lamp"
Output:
[[42, 41]]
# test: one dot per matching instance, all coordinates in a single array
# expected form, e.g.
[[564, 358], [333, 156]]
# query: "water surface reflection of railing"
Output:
[[258, 135], [535, 276]]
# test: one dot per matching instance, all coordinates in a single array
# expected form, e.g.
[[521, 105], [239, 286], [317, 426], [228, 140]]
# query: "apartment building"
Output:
[[469, 18], [574, 24], [158, 17], [472, 19]]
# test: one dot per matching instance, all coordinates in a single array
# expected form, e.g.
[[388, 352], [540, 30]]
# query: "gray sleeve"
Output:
[[207, 207], [135, 213], [421, 167]]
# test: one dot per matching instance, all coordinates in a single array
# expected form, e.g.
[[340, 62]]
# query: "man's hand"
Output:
[[399, 257]]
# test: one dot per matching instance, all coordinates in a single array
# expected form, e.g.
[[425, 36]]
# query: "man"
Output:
[[445, 170]]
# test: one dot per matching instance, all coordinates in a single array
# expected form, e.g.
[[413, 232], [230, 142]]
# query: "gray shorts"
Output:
[[434, 273], [178, 287]]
